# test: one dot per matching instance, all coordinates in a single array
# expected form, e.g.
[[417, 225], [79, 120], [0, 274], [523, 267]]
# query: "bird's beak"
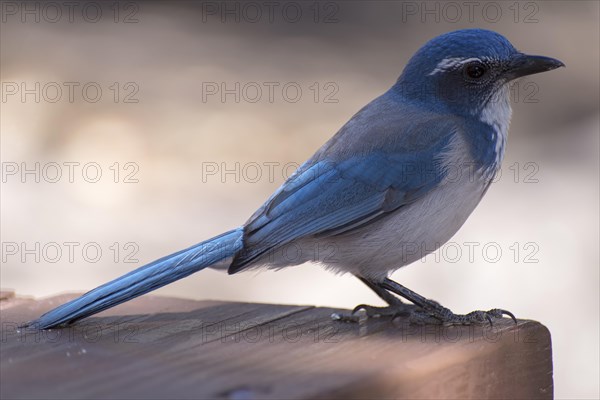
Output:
[[524, 64]]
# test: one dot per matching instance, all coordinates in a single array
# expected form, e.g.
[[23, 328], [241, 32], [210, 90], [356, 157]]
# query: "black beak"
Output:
[[524, 64]]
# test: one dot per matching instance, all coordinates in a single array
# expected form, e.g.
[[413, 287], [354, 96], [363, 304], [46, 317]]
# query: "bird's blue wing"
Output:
[[327, 197]]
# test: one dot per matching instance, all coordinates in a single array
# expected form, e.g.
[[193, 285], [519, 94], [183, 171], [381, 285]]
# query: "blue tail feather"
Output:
[[145, 279]]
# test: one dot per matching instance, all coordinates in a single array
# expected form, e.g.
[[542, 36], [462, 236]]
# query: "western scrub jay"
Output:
[[405, 171]]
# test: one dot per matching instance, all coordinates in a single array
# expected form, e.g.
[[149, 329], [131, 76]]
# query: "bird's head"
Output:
[[467, 71]]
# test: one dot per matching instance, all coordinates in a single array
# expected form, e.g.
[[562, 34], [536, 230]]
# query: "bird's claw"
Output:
[[431, 313], [478, 317], [351, 318], [500, 313], [377, 312], [396, 310]]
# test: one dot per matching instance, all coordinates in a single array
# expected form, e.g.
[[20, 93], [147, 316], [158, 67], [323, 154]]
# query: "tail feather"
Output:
[[145, 279]]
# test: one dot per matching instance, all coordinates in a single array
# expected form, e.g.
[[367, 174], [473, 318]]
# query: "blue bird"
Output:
[[404, 173]]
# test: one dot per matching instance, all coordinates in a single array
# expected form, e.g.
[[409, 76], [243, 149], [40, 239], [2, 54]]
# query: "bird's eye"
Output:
[[474, 70]]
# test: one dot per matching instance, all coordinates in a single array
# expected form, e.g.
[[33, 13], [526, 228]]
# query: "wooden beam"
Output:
[[156, 347]]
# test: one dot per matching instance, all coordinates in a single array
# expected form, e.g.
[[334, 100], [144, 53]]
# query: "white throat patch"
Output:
[[497, 113]]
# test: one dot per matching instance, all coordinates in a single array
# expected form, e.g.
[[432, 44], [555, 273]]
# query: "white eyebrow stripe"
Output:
[[451, 63]]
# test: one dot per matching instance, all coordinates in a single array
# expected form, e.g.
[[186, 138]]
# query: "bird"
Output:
[[404, 173]]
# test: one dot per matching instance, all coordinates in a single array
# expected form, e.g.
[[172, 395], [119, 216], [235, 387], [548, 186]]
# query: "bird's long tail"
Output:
[[145, 279]]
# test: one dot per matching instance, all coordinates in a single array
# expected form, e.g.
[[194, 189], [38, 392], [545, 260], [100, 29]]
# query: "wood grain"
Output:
[[156, 347]]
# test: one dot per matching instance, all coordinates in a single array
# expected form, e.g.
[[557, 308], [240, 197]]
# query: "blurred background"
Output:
[[130, 130]]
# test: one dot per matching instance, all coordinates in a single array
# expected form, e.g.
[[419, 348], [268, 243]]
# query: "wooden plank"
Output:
[[156, 347]]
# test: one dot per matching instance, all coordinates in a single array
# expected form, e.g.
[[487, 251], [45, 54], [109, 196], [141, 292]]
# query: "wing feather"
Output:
[[332, 195]]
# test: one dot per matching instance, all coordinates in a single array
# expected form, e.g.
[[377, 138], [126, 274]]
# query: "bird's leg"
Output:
[[395, 306], [430, 308]]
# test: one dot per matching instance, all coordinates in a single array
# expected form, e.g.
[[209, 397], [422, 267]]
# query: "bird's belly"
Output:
[[408, 234]]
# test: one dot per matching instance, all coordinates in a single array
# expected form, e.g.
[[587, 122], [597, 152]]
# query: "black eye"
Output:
[[474, 70]]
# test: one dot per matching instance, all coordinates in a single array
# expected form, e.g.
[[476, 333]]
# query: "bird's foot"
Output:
[[430, 309], [434, 312], [395, 310]]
